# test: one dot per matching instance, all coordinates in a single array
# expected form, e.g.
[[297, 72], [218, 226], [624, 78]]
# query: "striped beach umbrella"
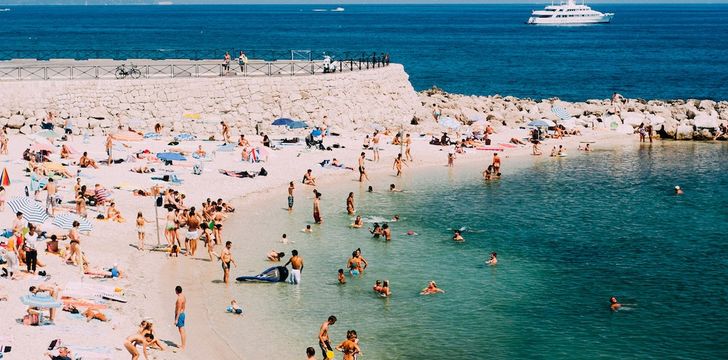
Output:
[[5, 178], [33, 211], [65, 221], [560, 112], [42, 301]]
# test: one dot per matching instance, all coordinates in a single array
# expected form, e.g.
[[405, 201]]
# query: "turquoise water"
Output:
[[569, 232]]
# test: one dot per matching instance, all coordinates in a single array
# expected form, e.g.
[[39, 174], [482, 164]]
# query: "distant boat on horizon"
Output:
[[338, 9], [4, 10], [165, 3], [569, 13]]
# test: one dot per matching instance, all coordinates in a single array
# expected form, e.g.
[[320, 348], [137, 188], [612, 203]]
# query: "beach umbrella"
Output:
[[449, 123], [5, 178], [47, 134], [65, 221], [705, 121], [41, 147], [42, 301], [560, 112], [33, 211], [127, 136], [542, 123], [170, 156], [297, 125], [282, 122]]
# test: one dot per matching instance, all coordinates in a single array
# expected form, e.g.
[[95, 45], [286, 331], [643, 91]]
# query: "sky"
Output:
[[334, 2]]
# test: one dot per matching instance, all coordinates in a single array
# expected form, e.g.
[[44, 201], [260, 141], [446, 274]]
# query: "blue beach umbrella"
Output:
[[449, 123], [33, 211], [170, 156], [42, 301], [282, 122], [541, 123], [65, 221], [297, 125]]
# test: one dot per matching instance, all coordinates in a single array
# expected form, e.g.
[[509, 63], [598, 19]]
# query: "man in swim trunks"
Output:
[[362, 169], [317, 207], [226, 257], [218, 217], [323, 337], [296, 266], [291, 187], [132, 341], [179, 316]]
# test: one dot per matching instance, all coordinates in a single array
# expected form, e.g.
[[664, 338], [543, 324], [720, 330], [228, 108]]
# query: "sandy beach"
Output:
[[149, 277]]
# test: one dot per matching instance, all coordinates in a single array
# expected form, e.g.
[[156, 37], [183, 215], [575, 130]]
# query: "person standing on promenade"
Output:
[[323, 337], [350, 204], [225, 132], [226, 63], [408, 148], [317, 207], [296, 267], [179, 315], [226, 256], [291, 187], [242, 61], [362, 169]]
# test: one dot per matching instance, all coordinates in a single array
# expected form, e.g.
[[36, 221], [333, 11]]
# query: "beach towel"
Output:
[[152, 136], [102, 195], [185, 137]]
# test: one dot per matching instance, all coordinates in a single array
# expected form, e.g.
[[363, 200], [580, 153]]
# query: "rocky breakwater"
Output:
[[677, 119], [342, 100]]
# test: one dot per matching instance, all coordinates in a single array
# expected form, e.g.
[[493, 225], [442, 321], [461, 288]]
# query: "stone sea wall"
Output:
[[682, 119], [343, 100]]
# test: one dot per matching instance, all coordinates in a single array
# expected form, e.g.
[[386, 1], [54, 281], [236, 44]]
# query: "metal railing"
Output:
[[192, 69], [187, 54]]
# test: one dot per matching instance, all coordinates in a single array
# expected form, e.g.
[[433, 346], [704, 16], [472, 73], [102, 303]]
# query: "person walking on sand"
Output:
[[51, 191], [140, 222], [226, 256], [109, 146], [193, 232], [225, 132], [350, 204], [317, 207], [408, 148], [179, 315], [291, 188], [398, 161], [323, 337], [362, 169], [375, 145], [296, 267], [132, 341]]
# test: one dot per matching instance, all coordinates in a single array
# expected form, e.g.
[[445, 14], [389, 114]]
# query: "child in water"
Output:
[[341, 277]]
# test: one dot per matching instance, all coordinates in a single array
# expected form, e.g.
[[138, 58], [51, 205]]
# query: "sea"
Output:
[[570, 233], [656, 51]]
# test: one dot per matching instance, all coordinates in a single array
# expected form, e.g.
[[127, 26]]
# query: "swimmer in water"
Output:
[[377, 286], [411, 233], [393, 188], [284, 239], [384, 290], [358, 222], [613, 304], [493, 259], [341, 277], [431, 289], [370, 189], [307, 229], [395, 218], [457, 236], [376, 231], [678, 190]]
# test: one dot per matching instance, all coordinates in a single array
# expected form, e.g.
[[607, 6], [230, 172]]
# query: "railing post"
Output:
[[172, 70], [96, 72], [45, 73], [270, 69], [71, 74]]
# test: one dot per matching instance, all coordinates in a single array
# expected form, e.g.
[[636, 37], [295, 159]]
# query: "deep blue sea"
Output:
[[648, 51]]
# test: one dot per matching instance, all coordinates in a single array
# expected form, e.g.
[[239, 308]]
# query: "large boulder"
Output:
[[16, 121], [684, 132]]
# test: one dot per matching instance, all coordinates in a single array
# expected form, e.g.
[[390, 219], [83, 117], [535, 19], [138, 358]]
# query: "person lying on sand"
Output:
[[91, 314], [142, 170]]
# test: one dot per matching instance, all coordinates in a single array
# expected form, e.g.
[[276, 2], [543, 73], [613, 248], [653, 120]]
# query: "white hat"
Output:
[[677, 188]]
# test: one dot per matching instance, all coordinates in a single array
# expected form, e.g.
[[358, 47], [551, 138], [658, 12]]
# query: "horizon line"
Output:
[[364, 2]]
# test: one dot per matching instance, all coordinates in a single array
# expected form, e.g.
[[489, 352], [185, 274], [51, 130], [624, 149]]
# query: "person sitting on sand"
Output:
[[132, 341], [65, 151], [113, 214], [614, 305], [200, 152], [308, 178], [235, 308], [147, 327], [275, 256], [678, 190], [431, 289], [86, 161], [553, 152], [63, 354], [493, 259], [243, 141], [457, 236], [358, 222]]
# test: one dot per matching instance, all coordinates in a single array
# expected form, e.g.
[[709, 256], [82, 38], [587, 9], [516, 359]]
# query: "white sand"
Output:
[[151, 276]]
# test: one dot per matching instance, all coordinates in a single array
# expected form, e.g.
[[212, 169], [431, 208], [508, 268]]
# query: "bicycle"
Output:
[[122, 71]]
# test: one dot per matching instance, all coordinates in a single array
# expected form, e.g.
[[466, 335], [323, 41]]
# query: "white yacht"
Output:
[[568, 13]]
